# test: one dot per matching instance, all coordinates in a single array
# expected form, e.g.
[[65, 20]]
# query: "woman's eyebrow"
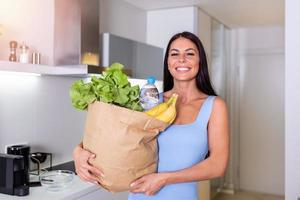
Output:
[[190, 49]]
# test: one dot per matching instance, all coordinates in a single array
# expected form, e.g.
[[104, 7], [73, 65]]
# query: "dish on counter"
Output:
[[56, 180]]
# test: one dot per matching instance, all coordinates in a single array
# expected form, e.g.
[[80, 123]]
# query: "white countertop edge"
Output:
[[80, 193], [77, 189], [43, 69]]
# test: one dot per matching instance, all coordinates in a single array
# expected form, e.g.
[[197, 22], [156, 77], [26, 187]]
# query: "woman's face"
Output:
[[183, 59]]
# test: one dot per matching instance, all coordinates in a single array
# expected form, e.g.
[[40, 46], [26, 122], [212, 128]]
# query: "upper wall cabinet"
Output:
[[45, 27]]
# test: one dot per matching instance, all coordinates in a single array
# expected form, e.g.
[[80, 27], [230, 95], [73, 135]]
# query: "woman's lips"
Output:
[[183, 69]]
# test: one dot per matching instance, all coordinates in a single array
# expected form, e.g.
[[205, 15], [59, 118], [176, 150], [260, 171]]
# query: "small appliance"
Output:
[[22, 150], [13, 175]]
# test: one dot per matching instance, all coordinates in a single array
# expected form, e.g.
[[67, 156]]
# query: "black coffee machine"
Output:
[[14, 170]]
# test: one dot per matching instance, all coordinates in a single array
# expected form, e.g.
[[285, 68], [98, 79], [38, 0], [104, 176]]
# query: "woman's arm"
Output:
[[218, 139], [212, 167]]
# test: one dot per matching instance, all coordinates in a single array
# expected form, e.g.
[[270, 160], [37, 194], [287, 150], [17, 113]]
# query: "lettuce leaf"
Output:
[[112, 86]]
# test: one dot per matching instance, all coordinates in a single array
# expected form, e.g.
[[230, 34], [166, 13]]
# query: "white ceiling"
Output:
[[233, 13]]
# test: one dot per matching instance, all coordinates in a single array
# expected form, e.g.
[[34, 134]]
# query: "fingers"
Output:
[[78, 150], [87, 172], [143, 189], [84, 169], [149, 193], [138, 189], [93, 170], [83, 177], [137, 182], [138, 186], [87, 154], [92, 156], [87, 176], [148, 184]]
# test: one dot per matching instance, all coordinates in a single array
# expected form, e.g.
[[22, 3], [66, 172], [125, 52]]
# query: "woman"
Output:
[[201, 125]]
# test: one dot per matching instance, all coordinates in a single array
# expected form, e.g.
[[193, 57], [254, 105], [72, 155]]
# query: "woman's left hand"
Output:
[[149, 184]]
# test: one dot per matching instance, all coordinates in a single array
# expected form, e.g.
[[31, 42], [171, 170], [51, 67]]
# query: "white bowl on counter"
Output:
[[56, 180]]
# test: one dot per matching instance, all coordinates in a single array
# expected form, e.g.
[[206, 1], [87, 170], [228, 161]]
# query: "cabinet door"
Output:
[[104, 195]]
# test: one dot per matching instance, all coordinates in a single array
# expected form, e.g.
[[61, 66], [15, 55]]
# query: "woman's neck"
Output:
[[187, 91]]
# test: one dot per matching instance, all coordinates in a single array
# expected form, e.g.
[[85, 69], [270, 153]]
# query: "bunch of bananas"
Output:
[[165, 111]]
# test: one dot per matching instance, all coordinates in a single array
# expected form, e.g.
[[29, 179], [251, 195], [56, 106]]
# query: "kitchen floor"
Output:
[[243, 195]]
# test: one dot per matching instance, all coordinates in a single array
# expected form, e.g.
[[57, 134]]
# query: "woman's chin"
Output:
[[184, 75], [184, 78]]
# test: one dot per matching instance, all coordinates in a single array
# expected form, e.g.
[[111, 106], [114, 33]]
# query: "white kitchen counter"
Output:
[[77, 190]]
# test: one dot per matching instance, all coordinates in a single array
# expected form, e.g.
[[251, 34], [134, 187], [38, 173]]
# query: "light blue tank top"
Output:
[[180, 147]]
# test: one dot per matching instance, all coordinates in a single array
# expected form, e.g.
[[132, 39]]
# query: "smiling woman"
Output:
[[201, 126]]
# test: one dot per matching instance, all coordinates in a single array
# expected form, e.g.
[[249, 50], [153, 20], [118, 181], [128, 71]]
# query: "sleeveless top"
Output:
[[180, 147]]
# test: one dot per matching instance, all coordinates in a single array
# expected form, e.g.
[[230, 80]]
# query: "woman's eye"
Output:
[[174, 54], [190, 54]]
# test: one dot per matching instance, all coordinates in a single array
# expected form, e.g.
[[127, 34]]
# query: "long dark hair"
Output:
[[202, 78]]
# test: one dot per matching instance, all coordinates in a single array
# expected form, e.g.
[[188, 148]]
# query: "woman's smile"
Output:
[[183, 68]]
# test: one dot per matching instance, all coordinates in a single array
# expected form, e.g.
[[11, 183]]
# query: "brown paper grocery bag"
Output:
[[124, 142]]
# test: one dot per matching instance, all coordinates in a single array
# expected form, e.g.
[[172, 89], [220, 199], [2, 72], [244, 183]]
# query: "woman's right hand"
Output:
[[84, 169]]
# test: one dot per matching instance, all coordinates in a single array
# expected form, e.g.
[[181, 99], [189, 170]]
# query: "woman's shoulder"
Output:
[[219, 105], [219, 101]]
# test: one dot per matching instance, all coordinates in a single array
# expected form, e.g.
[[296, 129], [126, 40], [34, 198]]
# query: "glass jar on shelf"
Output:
[[24, 55]]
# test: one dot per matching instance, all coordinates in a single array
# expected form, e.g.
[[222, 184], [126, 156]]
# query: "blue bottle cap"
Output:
[[151, 80]]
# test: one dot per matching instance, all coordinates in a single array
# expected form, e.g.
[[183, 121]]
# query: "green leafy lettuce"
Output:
[[112, 86]]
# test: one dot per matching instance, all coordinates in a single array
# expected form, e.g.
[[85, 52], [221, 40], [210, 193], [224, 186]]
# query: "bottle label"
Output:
[[149, 98]]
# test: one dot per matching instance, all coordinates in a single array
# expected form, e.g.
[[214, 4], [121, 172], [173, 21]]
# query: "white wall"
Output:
[[292, 99], [123, 19], [30, 21], [261, 38], [38, 110], [163, 24], [205, 33], [261, 137], [218, 58]]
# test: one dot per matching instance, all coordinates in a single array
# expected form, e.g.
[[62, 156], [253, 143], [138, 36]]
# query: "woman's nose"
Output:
[[181, 58]]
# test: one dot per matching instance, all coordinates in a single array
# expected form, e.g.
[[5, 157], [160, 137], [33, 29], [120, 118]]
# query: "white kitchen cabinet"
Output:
[[104, 195]]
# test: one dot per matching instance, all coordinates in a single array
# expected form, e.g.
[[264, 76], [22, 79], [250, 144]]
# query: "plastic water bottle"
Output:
[[149, 96]]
